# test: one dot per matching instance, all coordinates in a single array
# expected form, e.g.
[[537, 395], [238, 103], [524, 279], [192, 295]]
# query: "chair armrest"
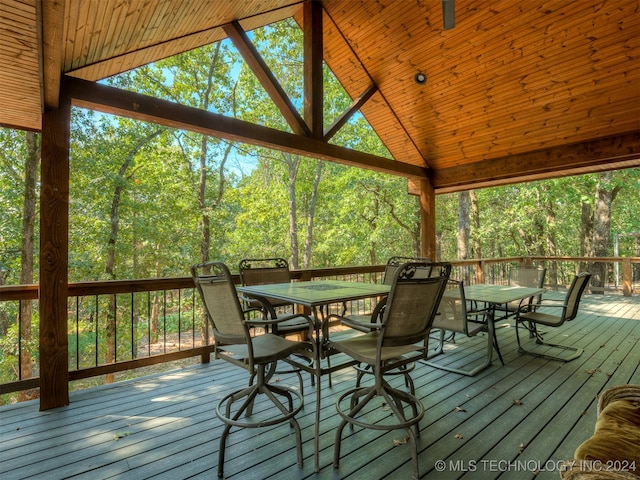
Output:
[[533, 307], [272, 321], [266, 306], [360, 326], [251, 310]]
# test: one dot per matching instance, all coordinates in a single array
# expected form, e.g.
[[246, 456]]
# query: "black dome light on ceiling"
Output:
[[420, 78]]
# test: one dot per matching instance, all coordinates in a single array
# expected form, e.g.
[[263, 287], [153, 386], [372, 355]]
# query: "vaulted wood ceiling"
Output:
[[516, 91]]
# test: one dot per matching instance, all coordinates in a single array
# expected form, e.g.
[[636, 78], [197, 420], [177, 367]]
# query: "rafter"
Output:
[[266, 78]]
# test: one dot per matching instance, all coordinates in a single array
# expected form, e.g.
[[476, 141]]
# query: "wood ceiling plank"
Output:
[[79, 10], [70, 27], [109, 32], [148, 54], [97, 31]]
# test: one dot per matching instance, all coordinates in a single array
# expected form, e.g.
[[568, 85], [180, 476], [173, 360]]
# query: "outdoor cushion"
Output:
[[613, 452], [616, 437]]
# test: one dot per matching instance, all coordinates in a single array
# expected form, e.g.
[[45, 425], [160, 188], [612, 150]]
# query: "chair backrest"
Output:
[[220, 299], [572, 300], [264, 271], [452, 314], [394, 262], [527, 276], [413, 301]]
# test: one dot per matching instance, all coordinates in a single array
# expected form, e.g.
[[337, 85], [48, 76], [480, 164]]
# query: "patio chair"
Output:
[[411, 306], [360, 321], [256, 354], [524, 276], [529, 320], [371, 321], [455, 316], [263, 271]]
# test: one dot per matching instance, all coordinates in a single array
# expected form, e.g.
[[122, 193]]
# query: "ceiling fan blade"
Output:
[[449, 14]]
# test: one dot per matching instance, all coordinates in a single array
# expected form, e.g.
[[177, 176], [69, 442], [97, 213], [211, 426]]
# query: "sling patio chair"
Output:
[[256, 354], [568, 309], [263, 271], [523, 276], [371, 321], [361, 321], [455, 316], [400, 339]]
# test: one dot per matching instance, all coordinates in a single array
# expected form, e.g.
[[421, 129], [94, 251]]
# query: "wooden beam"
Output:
[[313, 77], [54, 247], [51, 14], [348, 113], [141, 107], [427, 220], [607, 153], [260, 69]]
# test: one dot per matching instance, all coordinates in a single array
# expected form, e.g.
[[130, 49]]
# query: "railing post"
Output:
[[626, 277], [305, 276], [480, 272]]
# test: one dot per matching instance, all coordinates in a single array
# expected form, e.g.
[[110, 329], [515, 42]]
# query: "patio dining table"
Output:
[[314, 295], [493, 296]]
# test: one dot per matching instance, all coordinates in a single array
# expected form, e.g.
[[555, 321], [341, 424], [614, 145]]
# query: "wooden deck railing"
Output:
[[160, 320]]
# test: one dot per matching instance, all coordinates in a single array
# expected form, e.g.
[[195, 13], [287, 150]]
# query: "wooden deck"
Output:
[[506, 422]]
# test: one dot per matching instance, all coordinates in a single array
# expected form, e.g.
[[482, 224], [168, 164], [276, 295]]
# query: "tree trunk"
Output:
[[4, 318], [464, 228], [205, 234], [552, 251], [605, 195], [292, 163], [586, 234], [308, 244], [110, 331], [26, 255], [476, 251]]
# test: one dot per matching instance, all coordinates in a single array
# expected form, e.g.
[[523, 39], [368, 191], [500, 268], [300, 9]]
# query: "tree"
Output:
[[606, 192], [32, 161]]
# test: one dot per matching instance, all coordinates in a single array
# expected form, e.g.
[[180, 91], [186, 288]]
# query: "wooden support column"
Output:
[[54, 246], [313, 79], [627, 277], [428, 219]]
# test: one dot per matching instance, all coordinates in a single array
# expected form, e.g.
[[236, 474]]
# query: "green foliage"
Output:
[[256, 201]]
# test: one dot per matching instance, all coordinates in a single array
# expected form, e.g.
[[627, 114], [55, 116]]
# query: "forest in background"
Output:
[[148, 201]]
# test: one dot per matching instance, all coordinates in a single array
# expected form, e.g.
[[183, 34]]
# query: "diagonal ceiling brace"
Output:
[[349, 112], [260, 69]]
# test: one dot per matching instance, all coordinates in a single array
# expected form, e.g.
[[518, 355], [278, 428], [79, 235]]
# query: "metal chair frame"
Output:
[[411, 306], [569, 309], [256, 354]]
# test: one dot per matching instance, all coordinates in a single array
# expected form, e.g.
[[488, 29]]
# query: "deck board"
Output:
[[164, 426]]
